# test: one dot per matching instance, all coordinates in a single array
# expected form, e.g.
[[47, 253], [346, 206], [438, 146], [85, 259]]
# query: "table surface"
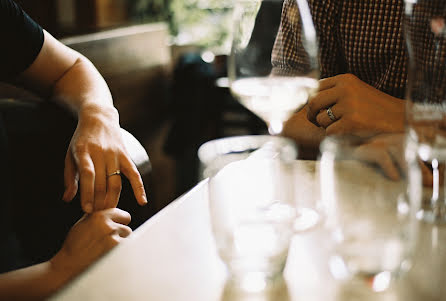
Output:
[[172, 257]]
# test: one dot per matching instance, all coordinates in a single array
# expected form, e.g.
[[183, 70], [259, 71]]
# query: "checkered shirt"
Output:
[[362, 37]]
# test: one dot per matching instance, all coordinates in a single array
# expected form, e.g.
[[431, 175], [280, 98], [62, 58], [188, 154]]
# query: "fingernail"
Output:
[[88, 208], [145, 199]]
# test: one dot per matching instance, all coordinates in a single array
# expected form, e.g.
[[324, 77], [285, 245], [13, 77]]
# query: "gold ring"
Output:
[[118, 172]]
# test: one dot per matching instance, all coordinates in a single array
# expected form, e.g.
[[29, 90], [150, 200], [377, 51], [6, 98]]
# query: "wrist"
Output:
[[98, 112], [60, 269]]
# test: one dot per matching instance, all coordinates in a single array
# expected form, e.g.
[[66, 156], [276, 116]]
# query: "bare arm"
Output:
[[88, 239], [96, 149]]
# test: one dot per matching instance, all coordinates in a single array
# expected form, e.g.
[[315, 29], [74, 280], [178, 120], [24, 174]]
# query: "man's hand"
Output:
[[358, 108], [91, 237], [96, 151], [307, 135]]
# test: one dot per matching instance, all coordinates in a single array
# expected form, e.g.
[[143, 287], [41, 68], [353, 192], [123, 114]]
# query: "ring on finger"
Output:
[[330, 114], [115, 173]]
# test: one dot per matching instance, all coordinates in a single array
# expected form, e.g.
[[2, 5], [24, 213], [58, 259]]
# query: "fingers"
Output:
[[382, 158], [70, 178], [128, 168], [327, 83], [322, 100], [118, 215], [87, 179], [114, 186], [114, 183], [324, 120], [100, 182], [388, 166], [123, 231]]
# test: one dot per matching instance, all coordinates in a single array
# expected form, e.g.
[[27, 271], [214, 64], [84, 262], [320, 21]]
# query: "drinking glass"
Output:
[[427, 179], [273, 68], [372, 229], [425, 30], [252, 207]]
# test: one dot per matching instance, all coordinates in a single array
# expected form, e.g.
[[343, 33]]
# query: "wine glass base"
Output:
[[430, 216], [306, 219]]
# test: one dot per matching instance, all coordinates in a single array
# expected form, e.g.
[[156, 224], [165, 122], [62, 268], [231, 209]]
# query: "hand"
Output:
[[359, 109], [387, 151], [307, 135], [91, 237], [96, 151]]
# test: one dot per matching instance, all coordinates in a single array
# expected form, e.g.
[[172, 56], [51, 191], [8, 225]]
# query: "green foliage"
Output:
[[205, 23]]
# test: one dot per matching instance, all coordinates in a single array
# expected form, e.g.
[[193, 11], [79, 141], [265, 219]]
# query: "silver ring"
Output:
[[330, 114], [118, 172]]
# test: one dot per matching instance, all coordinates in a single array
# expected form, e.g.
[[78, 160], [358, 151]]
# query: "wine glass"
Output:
[[273, 65]]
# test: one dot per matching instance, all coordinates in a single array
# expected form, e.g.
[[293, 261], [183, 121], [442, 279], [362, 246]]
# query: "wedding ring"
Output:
[[118, 172], [330, 114]]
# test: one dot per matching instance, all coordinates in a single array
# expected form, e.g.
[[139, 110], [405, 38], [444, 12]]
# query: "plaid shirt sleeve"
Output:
[[289, 56]]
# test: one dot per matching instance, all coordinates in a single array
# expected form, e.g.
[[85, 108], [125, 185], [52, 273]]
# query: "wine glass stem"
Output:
[[275, 127]]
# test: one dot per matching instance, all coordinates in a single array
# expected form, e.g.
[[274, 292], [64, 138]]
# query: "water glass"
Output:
[[425, 30], [368, 220], [252, 208], [426, 179]]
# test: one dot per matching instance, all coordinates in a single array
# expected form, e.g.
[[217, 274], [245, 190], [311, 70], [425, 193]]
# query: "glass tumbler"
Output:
[[425, 30], [252, 208], [426, 171], [371, 228]]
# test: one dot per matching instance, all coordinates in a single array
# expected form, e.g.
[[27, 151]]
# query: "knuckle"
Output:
[[320, 119], [80, 148], [97, 218], [348, 77], [87, 171], [100, 188], [310, 106], [113, 240], [114, 189]]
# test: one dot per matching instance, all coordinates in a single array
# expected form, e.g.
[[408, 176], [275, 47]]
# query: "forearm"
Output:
[[83, 88], [32, 283]]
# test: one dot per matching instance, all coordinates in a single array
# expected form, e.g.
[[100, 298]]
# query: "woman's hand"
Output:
[[96, 151], [358, 108], [386, 151], [91, 237]]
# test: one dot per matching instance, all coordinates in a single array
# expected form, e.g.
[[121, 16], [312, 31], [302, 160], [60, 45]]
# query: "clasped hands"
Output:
[[357, 109]]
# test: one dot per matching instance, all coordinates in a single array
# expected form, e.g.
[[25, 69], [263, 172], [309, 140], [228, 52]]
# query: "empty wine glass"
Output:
[[273, 66]]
